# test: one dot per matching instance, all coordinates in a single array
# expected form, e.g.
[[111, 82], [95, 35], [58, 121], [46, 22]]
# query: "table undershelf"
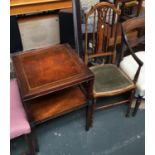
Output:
[[56, 104]]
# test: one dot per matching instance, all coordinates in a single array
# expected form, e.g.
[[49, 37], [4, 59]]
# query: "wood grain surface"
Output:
[[18, 7], [56, 104], [47, 70]]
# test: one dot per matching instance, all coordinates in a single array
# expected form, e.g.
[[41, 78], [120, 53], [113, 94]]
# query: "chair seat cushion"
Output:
[[130, 66], [18, 121], [110, 80]]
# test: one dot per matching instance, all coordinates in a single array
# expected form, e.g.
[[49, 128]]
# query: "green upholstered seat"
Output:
[[110, 80]]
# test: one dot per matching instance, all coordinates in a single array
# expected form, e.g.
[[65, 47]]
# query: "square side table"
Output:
[[53, 81]]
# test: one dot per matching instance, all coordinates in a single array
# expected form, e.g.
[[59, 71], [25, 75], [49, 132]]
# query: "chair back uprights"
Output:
[[136, 25], [101, 33]]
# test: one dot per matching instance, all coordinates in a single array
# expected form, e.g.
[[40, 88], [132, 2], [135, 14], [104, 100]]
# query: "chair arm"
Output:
[[140, 63], [125, 40]]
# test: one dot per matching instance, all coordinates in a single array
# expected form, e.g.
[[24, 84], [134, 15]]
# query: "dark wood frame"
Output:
[[32, 143], [137, 23], [80, 77]]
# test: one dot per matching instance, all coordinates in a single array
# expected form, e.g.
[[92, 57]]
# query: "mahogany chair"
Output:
[[133, 63], [100, 51], [18, 122]]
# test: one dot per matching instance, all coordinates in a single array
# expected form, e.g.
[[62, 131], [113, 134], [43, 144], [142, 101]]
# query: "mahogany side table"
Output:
[[52, 82]]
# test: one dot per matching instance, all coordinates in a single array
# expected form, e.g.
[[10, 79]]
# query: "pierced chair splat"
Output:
[[100, 54]]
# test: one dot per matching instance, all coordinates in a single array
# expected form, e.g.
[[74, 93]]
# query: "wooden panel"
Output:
[[49, 69], [24, 2], [55, 104], [30, 6]]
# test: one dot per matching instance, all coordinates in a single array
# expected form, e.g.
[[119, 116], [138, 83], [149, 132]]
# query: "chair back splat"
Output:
[[110, 83], [101, 32]]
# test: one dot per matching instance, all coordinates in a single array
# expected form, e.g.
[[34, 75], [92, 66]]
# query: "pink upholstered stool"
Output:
[[18, 121]]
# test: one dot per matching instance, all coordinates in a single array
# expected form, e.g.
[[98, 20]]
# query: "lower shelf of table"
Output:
[[56, 104]]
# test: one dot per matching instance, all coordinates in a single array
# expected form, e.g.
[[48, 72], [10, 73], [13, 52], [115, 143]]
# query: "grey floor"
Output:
[[112, 134]]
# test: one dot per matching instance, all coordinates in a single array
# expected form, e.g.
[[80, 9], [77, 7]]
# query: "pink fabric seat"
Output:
[[18, 121]]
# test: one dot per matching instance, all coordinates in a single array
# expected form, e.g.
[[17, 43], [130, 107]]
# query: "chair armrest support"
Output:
[[125, 40], [140, 63], [137, 74]]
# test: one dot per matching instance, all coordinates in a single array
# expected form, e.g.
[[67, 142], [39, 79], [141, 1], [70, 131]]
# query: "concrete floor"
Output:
[[112, 134]]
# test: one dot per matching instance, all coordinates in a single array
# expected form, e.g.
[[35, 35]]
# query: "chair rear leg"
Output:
[[138, 102], [30, 144], [130, 103]]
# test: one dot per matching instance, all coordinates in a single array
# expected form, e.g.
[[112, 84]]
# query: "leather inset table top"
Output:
[[45, 70], [49, 66]]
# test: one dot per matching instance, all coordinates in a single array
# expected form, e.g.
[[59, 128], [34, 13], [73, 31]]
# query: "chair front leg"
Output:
[[138, 102], [30, 144], [130, 103], [34, 138]]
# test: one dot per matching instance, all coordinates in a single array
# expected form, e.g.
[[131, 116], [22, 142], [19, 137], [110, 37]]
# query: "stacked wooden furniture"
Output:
[[53, 81]]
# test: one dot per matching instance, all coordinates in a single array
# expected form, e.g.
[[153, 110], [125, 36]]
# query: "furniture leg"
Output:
[[31, 147], [35, 140], [129, 105], [138, 102], [89, 116], [93, 109]]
